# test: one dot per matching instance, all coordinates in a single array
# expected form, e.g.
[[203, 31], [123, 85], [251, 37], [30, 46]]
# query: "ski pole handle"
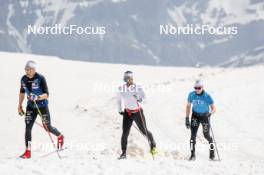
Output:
[[21, 113]]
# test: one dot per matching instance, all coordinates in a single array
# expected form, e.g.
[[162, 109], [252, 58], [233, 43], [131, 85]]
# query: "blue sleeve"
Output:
[[190, 98], [22, 90], [210, 100], [43, 85]]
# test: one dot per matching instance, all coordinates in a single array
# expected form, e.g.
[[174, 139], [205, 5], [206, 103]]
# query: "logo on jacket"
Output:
[[35, 85]]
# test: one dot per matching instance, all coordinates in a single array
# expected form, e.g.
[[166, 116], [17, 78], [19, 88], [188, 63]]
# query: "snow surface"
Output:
[[87, 115]]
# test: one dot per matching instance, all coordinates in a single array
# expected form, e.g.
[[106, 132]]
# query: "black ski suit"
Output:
[[128, 119], [197, 119]]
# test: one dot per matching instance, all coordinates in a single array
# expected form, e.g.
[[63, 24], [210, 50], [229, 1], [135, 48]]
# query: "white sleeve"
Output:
[[119, 101], [140, 93]]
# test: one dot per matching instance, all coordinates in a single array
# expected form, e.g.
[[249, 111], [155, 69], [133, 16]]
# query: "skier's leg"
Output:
[[127, 123], [30, 118], [194, 128], [142, 126], [206, 130], [46, 121]]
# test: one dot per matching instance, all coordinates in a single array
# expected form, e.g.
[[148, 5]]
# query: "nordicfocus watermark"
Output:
[[58, 29], [165, 146], [191, 29]]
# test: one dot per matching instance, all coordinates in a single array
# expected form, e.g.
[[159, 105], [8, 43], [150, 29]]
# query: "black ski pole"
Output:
[[215, 144], [145, 126]]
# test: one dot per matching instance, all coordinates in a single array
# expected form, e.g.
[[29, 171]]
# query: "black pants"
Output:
[[141, 124], [31, 115], [196, 120]]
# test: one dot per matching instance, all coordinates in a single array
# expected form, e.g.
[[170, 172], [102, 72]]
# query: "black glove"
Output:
[[21, 113], [121, 113], [187, 122]]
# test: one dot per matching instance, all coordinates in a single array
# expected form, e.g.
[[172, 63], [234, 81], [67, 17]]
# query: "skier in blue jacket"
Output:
[[202, 106], [34, 85]]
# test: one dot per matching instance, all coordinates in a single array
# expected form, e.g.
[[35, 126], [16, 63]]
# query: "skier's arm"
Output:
[[212, 106], [119, 101], [143, 95], [43, 96], [140, 95], [213, 110], [20, 101], [44, 88], [189, 105], [188, 109], [21, 97]]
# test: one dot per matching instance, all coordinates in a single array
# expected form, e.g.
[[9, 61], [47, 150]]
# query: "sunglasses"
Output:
[[197, 88], [126, 78]]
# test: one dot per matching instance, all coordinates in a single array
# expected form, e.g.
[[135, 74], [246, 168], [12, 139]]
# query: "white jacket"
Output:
[[127, 97]]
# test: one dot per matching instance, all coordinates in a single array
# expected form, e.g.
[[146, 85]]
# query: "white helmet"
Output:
[[31, 65], [198, 83]]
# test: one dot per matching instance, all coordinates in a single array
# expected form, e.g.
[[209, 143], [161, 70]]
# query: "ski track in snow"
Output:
[[88, 116]]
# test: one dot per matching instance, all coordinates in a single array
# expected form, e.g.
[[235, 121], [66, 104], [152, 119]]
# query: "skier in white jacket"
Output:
[[128, 98]]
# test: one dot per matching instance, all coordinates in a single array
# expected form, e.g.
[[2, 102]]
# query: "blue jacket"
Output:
[[36, 85], [200, 102]]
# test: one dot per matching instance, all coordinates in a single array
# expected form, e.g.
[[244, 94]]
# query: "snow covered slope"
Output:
[[83, 107]]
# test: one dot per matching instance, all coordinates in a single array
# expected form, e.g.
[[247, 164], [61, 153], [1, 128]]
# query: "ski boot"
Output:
[[211, 154], [192, 145], [153, 151], [26, 155], [60, 141], [192, 157], [123, 155]]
